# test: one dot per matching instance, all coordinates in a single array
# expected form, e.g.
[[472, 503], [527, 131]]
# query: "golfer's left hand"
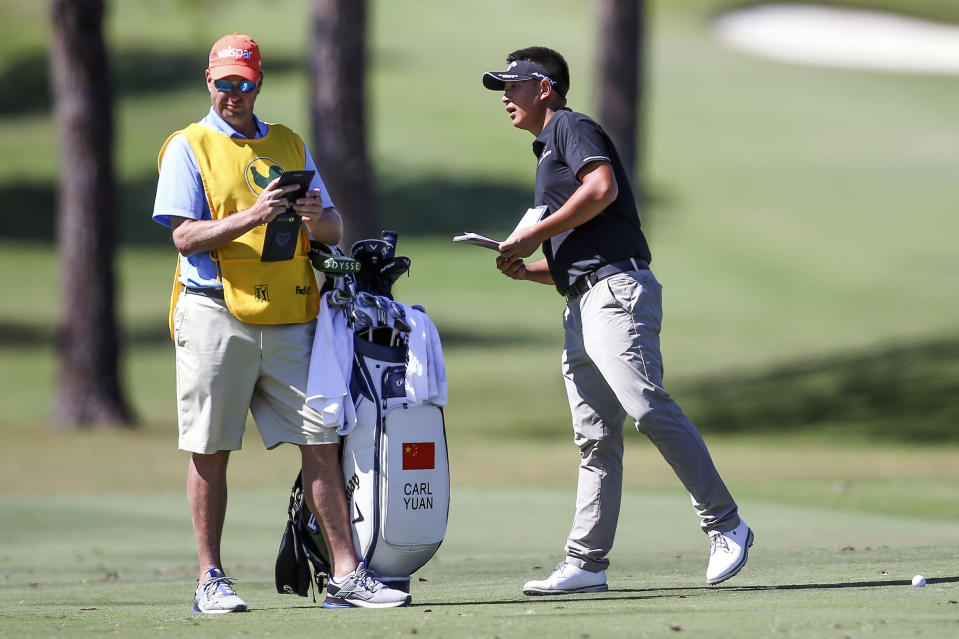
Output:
[[520, 244], [515, 269]]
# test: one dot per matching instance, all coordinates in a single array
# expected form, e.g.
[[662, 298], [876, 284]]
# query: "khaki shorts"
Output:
[[225, 367]]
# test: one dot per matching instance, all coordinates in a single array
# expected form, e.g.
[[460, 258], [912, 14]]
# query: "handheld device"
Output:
[[279, 241], [302, 179]]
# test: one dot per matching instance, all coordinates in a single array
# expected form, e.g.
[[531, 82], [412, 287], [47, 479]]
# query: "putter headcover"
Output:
[[325, 261]]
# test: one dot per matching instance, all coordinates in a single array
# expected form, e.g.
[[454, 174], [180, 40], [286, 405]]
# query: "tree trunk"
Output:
[[89, 386], [337, 82], [622, 25]]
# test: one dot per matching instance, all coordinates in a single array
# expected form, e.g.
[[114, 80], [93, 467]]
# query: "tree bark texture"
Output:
[[338, 109], [622, 25], [89, 351]]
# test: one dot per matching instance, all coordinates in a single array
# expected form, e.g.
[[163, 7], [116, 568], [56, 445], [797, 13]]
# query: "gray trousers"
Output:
[[613, 369]]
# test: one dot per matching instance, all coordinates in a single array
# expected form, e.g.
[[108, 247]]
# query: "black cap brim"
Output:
[[496, 80]]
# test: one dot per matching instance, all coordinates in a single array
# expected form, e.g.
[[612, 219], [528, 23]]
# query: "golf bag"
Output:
[[393, 445]]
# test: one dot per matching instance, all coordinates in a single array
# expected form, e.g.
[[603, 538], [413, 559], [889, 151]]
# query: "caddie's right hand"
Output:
[[271, 202]]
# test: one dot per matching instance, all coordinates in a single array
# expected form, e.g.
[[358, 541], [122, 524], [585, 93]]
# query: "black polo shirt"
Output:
[[569, 142]]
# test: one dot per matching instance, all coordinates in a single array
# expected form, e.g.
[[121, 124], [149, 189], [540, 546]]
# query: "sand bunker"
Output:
[[837, 37]]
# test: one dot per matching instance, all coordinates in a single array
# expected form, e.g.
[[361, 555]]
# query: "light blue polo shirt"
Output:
[[180, 193]]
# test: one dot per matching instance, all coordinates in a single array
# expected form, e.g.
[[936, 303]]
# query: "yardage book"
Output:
[[477, 240], [531, 217]]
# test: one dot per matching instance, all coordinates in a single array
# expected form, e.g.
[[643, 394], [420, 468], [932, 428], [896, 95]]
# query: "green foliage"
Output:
[[904, 392], [796, 215]]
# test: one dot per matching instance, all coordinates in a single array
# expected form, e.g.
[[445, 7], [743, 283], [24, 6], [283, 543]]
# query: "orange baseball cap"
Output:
[[235, 54]]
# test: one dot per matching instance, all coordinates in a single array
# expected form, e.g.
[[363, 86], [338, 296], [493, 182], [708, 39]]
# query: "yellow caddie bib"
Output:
[[234, 172]]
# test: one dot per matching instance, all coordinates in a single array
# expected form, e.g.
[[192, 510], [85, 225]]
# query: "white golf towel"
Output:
[[331, 363], [425, 367]]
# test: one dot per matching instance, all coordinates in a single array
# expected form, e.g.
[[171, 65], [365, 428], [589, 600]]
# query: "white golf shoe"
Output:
[[362, 589], [728, 552], [215, 595], [567, 579]]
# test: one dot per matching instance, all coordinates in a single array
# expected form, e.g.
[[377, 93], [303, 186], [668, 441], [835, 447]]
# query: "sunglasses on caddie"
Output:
[[227, 86]]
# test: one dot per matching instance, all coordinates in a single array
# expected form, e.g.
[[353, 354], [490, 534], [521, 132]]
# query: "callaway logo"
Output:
[[236, 54], [506, 76], [512, 64], [542, 157], [351, 487]]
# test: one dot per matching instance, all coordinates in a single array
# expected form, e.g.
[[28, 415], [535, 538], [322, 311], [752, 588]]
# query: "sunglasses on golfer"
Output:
[[227, 86]]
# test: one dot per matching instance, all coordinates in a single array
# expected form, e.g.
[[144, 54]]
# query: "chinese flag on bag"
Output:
[[419, 456]]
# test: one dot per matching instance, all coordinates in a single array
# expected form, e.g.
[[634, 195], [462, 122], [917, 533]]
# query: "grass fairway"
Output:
[[118, 565], [107, 549]]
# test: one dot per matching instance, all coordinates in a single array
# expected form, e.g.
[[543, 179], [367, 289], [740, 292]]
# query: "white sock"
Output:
[[339, 580]]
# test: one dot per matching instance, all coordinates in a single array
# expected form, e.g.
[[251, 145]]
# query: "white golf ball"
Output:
[[918, 581]]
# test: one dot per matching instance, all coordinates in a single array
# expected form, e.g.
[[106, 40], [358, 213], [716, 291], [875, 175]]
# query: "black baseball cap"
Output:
[[519, 70]]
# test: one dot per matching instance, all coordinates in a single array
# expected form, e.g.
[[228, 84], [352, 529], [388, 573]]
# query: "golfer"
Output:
[[243, 326], [598, 258]]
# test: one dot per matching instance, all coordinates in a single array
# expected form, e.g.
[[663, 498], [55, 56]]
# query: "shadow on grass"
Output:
[[632, 594], [427, 206], [28, 213], [830, 586], [433, 206], [904, 392], [136, 72], [459, 338], [24, 336], [444, 205], [850, 584]]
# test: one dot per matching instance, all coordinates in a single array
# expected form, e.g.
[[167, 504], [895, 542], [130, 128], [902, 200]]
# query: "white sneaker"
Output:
[[361, 589], [215, 595], [567, 579], [728, 552]]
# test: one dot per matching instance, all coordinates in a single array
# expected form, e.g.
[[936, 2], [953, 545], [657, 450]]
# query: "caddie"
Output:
[[242, 326]]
